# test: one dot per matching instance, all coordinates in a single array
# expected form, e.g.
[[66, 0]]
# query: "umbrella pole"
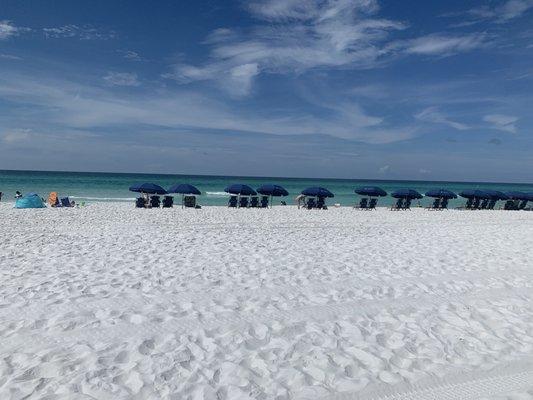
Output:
[[182, 197], [270, 201]]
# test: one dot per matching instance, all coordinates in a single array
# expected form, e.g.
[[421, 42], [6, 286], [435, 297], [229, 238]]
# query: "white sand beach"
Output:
[[112, 302]]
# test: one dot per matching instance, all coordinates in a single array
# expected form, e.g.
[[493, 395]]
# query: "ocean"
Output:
[[100, 187]]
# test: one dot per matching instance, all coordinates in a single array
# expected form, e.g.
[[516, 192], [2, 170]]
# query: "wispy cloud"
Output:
[[7, 30], [505, 12], [434, 115], [294, 36], [122, 79], [438, 44], [130, 55], [78, 106], [85, 32], [9, 57], [506, 123]]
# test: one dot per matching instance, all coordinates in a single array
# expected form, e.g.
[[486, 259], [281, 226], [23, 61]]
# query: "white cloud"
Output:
[[85, 32], [7, 30], [16, 135], [507, 11], [9, 57], [130, 55], [442, 45], [384, 169], [433, 115], [76, 106], [298, 36], [424, 171], [506, 123], [122, 79]]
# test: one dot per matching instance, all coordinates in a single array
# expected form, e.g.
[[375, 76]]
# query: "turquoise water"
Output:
[[90, 187]]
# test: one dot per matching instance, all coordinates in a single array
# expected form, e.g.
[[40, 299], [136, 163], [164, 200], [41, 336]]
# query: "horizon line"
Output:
[[263, 177]]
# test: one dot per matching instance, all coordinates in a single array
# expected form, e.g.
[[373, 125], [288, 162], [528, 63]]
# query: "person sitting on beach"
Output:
[[18, 195]]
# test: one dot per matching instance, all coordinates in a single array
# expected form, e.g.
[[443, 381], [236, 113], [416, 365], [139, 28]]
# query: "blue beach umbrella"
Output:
[[272, 190], [474, 193], [406, 194], [184, 188], [496, 195], [317, 192], [441, 194], [371, 191], [514, 195], [240, 189], [150, 188]]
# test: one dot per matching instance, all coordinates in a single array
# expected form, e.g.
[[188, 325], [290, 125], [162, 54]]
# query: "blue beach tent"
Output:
[[30, 201]]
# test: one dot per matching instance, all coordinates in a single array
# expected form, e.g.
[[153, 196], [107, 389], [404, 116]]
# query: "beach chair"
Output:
[[140, 202], [321, 204], [522, 205], [468, 204], [243, 202], [254, 202], [491, 205], [407, 205], [65, 202], [190, 202], [155, 201], [435, 205], [475, 204], [398, 205], [363, 204], [372, 204], [444, 204], [484, 204], [509, 205], [311, 203], [232, 202], [264, 202], [168, 202]]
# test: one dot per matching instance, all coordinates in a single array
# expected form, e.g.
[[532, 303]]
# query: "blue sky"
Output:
[[425, 90]]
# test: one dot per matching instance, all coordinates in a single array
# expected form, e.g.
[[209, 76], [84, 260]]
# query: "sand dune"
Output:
[[111, 302]]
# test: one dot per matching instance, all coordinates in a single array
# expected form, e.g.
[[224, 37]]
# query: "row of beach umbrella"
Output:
[[316, 191]]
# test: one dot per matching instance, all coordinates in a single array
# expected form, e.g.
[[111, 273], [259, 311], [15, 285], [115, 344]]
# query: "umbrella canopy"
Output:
[[240, 189], [372, 191], [519, 195], [496, 195], [441, 194], [150, 188], [473, 193], [272, 190], [184, 188], [317, 192], [406, 194]]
